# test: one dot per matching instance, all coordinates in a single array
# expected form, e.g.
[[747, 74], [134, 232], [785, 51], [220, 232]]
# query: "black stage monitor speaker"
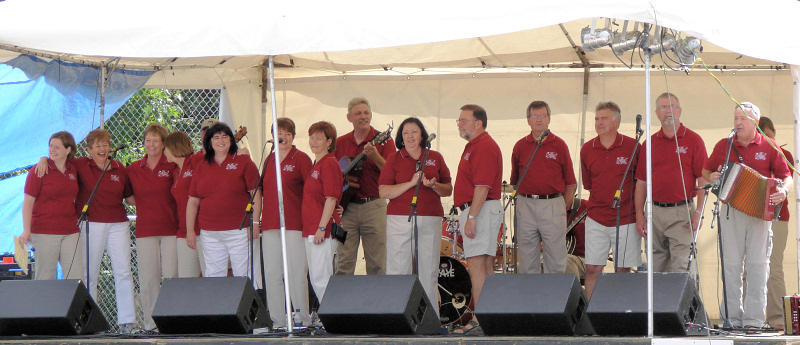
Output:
[[390, 304], [619, 305], [48, 307], [533, 304], [209, 305]]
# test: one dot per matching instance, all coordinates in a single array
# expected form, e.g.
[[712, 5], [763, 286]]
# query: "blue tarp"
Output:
[[37, 99]]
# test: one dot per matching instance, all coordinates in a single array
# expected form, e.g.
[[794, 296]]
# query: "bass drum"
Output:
[[455, 292]]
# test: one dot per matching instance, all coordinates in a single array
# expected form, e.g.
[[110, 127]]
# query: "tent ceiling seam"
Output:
[[491, 52]]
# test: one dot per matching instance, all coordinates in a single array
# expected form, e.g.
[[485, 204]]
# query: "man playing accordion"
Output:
[[747, 240]]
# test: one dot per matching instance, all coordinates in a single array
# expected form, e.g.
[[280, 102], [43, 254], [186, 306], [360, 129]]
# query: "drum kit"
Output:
[[455, 286]]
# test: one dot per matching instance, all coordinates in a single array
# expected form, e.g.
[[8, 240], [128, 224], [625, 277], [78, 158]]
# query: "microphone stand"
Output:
[[413, 214], [693, 244], [724, 175], [85, 215], [513, 197], [616, 204], [248, 214]]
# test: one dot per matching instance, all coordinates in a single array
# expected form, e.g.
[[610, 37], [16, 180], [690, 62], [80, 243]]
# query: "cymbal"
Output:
[[508, 188]]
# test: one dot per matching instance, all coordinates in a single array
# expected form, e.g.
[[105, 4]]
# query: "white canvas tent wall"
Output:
[[331, 52]]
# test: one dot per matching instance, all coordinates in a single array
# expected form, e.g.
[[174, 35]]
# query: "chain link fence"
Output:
[[176, 110]]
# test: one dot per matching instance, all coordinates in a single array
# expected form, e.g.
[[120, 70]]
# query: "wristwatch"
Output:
[[321, 228], [469, 216]]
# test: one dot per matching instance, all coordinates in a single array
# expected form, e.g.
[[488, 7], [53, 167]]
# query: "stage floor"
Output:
[[375, 340]]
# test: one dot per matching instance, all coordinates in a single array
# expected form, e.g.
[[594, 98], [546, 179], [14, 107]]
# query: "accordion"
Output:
[[747, 191]]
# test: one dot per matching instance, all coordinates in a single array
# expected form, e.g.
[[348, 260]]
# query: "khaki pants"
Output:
[[273, 274], [672, 238], [364, 223], [576, 266], [53, 249], [542, 222], [157, 259], [400, 246], [776, 286], [190, 261]]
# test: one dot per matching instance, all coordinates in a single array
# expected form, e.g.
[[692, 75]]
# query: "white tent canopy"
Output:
[[423, 58]]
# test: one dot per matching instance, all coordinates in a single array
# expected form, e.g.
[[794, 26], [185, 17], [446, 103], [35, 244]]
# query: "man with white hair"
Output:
[[603, 163], [747, 240]]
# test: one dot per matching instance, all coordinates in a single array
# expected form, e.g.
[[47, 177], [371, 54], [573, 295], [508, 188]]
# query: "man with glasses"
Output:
[[477, 195], [747, 240], [677, 170], [543, 195]]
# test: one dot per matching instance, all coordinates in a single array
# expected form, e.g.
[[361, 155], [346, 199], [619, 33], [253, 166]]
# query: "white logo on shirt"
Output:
[[682, 149], [288, 167], [71, 176], [187, 173], [315, 174], [163, 173], [466, 156], [114, 178], [761, 156], [551, 155], [622, 160], [231, 166], [430, 163]]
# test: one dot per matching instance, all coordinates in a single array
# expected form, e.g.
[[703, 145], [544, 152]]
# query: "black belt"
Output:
[[468, 204], [363, 200], [669, 204], [541, 196]]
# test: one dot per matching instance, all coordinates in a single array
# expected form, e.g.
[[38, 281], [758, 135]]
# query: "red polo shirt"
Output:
[[324, 180], [784, 215], [399, 168], [223, 191], [551, 170], [294, 170], [156, 211], [180, 191], [758, 154], [106, 206], [346, 146], [55, 192], [481, 165], [666, 179], [602, 170]]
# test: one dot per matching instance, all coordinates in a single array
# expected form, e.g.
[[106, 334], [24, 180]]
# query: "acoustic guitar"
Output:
[[351, 165]]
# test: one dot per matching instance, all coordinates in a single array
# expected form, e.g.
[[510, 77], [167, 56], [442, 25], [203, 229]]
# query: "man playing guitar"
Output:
[[365, 216]]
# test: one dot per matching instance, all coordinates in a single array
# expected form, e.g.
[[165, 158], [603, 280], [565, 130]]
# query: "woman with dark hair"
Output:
[[321, 193], [218, 195], [397, 182], [178, 150], [48, 212], [295, 167], [156, 218]]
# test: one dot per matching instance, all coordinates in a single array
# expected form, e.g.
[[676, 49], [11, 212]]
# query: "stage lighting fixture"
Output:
[[625, 40], [685, 49], [593, 39], [659, 42]]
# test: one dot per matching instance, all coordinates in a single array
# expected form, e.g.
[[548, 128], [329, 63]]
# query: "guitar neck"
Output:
[[353, 163]]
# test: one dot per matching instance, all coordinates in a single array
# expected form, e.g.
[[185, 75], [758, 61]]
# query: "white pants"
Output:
[[190, 261], [399, 250], [53, 249], [157, 260], [273, 272], [219, 246], [746, 244], [320, 263], [116, 239]]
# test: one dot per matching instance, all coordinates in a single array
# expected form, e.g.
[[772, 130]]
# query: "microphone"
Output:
[[118, 148], [281, 141], [544, 135], [638, 124], [733, 132], [430, 139]]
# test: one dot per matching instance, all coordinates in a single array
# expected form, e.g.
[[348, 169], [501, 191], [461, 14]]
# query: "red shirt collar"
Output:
[[479, 138], [757, 140], [617, 142], [680, 133], [370, 135], [529, 138]]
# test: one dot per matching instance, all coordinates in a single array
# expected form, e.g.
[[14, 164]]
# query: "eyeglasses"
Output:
[[460, 121], [537, 116]]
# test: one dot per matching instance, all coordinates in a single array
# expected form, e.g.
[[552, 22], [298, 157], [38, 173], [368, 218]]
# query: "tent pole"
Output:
[[649, 198], [796, 112], [279, 187], [102, 95], [582, 134]]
